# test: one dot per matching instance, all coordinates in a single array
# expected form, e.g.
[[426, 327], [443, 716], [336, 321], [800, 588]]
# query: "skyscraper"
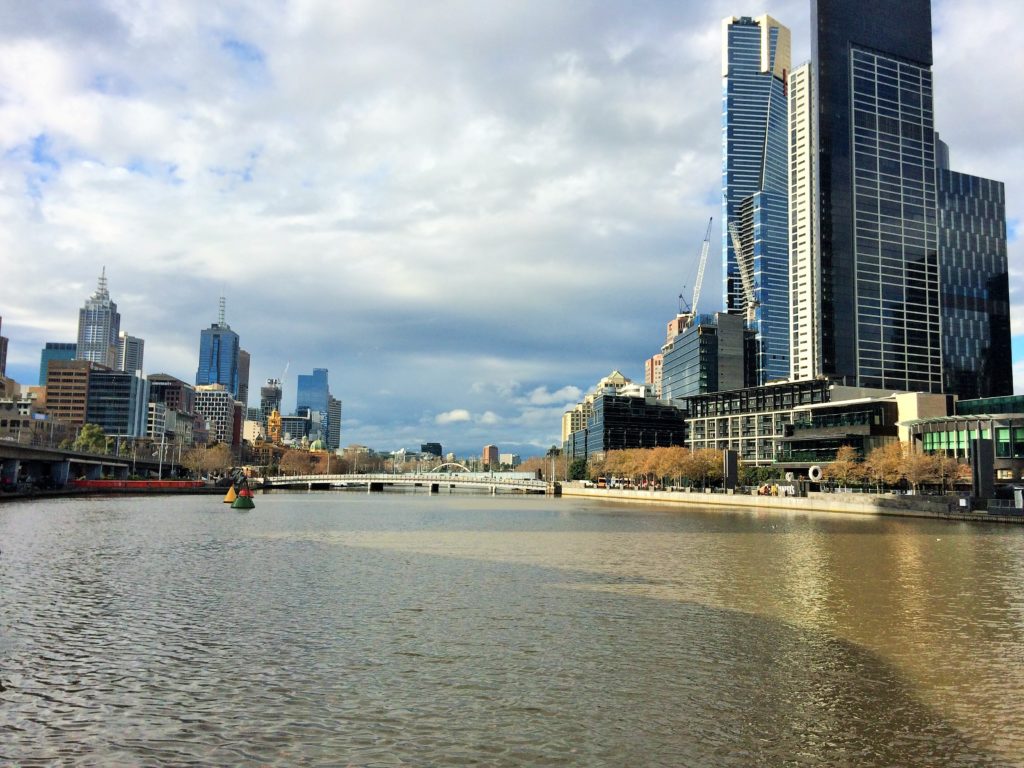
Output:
[[976, 345], [877, 237], [218, 355], [98, 326], [313, 391], [755, 67], [129, 352], [333, 427]]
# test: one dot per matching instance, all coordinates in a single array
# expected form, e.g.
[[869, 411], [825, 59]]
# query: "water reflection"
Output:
[[447, 631]]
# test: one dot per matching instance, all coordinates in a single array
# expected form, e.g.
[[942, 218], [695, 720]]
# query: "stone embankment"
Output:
[[934, 507]]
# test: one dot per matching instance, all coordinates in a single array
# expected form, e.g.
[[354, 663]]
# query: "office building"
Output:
[[434, 449], [244, 360], [976, 346], [129, 352], [118, 401], [632, 418], [67, 389], [755, 195], [171, 391], [99, 324], [877, 234], [716, 352], [312, 391], [490, 457], [218, 355], [296, 428], [270, 399], [55, 350], [332, 427]]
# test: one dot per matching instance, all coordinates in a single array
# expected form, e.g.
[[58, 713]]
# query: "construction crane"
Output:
[[691, 311], [745, 263]]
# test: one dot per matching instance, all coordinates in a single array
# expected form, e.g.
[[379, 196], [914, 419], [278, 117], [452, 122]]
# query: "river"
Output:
[[404, 629]]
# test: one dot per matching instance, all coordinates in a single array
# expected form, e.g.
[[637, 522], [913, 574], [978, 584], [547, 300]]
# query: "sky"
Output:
[[467, 212]]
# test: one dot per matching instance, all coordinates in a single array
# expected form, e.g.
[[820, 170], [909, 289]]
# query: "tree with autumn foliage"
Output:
[[885, 464], [846, 468]]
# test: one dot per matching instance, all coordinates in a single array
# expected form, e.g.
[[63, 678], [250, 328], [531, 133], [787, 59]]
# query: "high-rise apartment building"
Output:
[[877, 231], [804, 261], [99, 324], [333, 424], [218, 355], [217, 405], [755, 197], [976, 345], [129, 352]]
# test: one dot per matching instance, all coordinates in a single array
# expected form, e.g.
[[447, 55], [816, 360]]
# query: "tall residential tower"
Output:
[[755, 225]]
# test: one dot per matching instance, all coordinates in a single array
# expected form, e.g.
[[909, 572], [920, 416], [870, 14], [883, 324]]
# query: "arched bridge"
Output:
[[434, 481]]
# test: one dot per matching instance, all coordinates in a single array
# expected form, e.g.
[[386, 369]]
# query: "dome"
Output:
[[317, 445]]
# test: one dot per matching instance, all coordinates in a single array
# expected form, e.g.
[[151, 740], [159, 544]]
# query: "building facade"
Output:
[[491, 457], [55, 350], [877, 234], [217, 406], [118, 401], [332, 426], [976, 346], [218, 355], [270, 399], [244, 361], [99, 324], [627, 420], [67, 389], [755, 181], [312, 391], [3, 351], [129, 352], [716, 352]]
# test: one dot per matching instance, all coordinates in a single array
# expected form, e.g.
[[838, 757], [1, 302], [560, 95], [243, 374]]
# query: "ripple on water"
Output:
[[309, 634]]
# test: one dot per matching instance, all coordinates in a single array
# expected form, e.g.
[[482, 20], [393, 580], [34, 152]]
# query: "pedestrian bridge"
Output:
[[512, 482]]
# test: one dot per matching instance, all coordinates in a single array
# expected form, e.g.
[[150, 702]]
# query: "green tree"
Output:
[[91, 439], [578, 469]]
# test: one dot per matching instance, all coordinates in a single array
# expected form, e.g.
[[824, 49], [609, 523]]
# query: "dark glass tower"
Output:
[[976, 346], [755, 198], [218, 355], [878, 240]]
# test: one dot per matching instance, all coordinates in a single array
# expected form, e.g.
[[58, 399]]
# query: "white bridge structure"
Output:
[[434, 481]]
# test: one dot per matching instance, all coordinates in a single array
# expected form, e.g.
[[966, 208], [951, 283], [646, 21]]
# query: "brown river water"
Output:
[[403, 629]]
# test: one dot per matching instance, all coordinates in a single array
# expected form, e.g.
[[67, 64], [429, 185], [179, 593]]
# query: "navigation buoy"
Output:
[[230, 496], [244, 500]]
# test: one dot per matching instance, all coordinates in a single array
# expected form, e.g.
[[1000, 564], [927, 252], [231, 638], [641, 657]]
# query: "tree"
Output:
[[885, 464], [846, 468], [578, 469], [297, 462], [921, 468], [91, 439], [203, 460]]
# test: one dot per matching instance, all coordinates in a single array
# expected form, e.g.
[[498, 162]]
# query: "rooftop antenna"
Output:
[[102, 287], [220, 313]]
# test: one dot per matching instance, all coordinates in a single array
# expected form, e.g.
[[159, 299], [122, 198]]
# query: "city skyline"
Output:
[[501, 233]]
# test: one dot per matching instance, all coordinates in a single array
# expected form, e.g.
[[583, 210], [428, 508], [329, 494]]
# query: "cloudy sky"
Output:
[[467, 211]]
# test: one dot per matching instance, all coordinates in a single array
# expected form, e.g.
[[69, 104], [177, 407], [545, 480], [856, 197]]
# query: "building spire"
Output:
[[220, 312], [101, 288]]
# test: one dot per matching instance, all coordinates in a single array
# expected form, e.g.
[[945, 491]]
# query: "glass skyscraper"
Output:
[[976, 346], [312, 391], [878, 247], [218, 355], [99, 324], [755, 197]]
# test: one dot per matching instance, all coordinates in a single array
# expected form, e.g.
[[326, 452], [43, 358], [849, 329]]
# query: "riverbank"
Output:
[[932, 507], [115, 487]]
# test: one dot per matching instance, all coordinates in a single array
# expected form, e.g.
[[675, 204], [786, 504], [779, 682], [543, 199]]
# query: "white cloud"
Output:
[[414, 197], [452, 417]]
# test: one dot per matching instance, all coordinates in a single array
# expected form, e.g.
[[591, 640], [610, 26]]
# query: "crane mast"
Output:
[[700, 274]]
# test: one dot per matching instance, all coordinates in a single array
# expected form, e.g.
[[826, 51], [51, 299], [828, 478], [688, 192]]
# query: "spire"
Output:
[[101, 288], [220, 312]]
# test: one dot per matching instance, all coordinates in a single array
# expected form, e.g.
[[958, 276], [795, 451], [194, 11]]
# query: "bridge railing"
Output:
[[418, 477]]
